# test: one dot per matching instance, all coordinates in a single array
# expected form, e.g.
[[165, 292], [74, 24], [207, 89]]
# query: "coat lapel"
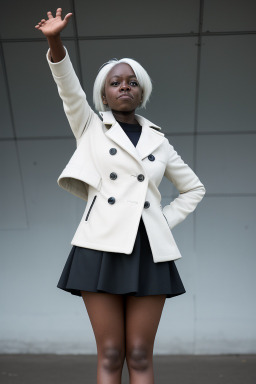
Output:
[[117, 134], [149, 139]]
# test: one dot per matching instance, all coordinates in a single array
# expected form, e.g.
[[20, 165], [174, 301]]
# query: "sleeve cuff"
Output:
[[60, 68]]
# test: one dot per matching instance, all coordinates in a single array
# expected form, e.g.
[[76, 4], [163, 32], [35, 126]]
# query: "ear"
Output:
[[104, 100]]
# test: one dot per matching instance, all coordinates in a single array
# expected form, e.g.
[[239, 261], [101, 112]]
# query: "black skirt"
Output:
[[118, 273]]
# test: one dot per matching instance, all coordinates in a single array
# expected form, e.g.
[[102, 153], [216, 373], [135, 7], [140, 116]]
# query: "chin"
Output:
[[123, 110]]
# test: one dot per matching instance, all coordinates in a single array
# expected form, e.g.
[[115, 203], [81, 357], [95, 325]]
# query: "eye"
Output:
[[114, 83], [134, 83]]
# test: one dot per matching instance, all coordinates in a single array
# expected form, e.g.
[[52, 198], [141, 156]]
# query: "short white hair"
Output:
[[140, 73]]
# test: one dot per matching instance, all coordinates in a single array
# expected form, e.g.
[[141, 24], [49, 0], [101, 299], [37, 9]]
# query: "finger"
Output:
[[49, 14], [58, 12], [67, 17]]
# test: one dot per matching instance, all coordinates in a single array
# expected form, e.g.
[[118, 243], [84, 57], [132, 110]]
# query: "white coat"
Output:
[[119, 181]]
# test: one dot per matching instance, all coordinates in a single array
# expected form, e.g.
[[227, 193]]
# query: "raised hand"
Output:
[[54, 25]]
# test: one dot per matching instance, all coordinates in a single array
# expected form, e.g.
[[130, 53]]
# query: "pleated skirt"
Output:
[[118, 273]]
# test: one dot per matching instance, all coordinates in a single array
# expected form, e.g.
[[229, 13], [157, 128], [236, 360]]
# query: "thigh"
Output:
[[142, 319], [106, 314]]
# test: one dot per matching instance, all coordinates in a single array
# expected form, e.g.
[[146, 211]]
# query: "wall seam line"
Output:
[[2, 58]]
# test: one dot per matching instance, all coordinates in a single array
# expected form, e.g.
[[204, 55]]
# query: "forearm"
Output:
[[57, 50], [76, 107]]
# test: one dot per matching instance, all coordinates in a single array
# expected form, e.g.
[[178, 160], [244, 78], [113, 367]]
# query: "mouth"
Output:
[[125, 96]]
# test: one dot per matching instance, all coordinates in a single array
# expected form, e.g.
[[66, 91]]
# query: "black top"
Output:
[[133, 131]]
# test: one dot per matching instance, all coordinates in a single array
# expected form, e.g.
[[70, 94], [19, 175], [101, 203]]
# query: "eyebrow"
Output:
[[120, 76]]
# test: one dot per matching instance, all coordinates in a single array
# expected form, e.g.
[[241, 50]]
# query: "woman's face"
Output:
[[122, 90]]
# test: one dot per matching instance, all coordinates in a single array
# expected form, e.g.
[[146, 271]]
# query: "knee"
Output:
[[112, 358], [139, 358]]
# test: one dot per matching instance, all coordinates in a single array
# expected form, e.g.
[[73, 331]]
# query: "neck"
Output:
[[125, 117]]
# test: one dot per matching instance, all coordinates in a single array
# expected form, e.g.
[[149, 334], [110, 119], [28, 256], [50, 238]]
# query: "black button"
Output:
[[111, 200], [113, 175], [146, 204], [112, 151], [151, 157], [141, 177]]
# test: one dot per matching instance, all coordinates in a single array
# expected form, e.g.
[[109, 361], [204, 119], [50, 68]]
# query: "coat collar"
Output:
[[149, 140]]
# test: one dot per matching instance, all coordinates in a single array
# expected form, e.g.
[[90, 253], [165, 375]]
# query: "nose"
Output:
[[124, 87]]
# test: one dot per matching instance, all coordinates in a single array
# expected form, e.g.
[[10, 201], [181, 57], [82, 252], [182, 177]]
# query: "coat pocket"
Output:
[[89, 211], [164, 216]]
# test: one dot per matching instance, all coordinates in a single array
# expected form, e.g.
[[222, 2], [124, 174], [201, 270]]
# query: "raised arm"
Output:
[[76, 107]]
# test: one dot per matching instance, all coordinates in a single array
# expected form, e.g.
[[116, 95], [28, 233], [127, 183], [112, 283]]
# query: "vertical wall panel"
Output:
[[225, 243], [227, 163], [12, 199], [6, 129], [37, 108], [227, 91], [32, 259], [229, 15], [18, 19], [140, 18]]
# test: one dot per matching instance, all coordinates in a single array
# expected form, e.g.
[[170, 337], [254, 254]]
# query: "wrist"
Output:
[[57, 50], [53, 39]]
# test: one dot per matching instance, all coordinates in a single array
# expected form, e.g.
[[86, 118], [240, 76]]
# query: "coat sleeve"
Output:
[[76, 107], [191, 190]]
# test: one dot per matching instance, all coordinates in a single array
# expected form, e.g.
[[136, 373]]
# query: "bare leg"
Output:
[[106, 313], [142, 318]]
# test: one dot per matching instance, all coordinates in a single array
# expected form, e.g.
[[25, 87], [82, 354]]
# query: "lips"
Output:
[[125, 96]]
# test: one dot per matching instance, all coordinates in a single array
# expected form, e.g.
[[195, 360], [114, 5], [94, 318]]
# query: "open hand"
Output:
[[54, 25]]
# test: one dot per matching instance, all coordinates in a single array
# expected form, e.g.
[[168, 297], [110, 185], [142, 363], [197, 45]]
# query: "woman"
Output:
[[122, 260]]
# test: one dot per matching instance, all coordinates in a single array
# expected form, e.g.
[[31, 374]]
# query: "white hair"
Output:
[[140, 73]]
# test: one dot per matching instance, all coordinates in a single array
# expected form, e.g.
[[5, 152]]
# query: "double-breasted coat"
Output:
[[119, 181]]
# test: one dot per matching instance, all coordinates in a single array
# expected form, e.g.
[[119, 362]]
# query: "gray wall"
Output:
[[201, 57]]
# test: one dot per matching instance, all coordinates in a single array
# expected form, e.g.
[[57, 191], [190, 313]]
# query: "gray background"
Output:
[[202, 59]]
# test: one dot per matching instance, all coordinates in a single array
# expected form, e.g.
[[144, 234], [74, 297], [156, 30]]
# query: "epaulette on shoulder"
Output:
[[157, 131]]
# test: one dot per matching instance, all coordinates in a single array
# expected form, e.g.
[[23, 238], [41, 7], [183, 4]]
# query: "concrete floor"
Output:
[[81, 369]]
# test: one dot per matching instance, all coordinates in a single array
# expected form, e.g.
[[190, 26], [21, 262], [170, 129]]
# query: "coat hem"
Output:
[[97, 248], [118, 250], [164, 258]]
